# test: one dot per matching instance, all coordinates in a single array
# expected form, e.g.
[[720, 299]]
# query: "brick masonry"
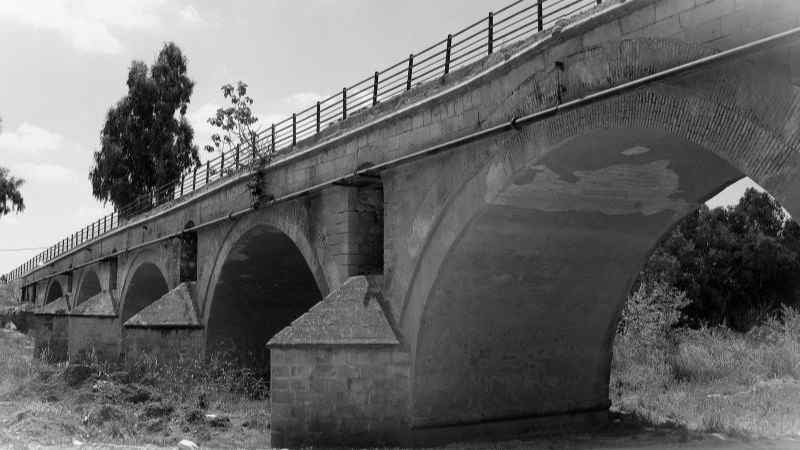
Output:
[[743, 112], [339, 395]]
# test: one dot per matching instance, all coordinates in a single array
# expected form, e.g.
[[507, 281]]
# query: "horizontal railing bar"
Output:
[[507, 18], [466, 48], [499, 30]]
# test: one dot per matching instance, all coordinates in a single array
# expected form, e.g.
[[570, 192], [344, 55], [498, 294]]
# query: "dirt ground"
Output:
[[52, 406]]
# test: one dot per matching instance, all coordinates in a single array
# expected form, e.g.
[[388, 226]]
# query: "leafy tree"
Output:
[[236, 122], [10, 197], [238, 132], [736, 264], [146, 141]]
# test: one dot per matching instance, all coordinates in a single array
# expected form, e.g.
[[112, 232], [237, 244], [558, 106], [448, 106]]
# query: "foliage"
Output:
[[737, 264], [710, 379], [651, 312], [10, 197], [146, 141], [236, 122], [238, 133]]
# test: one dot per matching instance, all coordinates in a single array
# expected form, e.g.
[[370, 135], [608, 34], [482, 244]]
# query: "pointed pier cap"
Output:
[[175, 309], [99, 305], [58, 307], [350, 315]]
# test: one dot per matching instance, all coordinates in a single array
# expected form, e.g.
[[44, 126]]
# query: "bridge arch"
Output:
[[145, 282], [54, 291], [519, 283], [88, 286], [265, 275]]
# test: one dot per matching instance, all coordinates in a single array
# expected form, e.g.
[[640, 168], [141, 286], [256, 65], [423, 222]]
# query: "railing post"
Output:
[[410, 70], [273, 138], [447, 54], [539, 16], [208, 170], [294, 129], [375, 89], [318, 113], [194, 178], [183, 180], [105, 224], [491, 33], [344, 103], [237, 158], [221, 164]]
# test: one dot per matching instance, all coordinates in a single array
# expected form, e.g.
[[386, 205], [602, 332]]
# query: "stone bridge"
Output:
[[453, 262]]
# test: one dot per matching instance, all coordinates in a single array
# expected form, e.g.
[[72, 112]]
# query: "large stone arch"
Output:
[[525, 264], [88, 286], [265, 275], [146, 280]]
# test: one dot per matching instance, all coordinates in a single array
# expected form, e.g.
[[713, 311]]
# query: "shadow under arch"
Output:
[[54, 291], [89, 286], [512, 310], [262, 281], [144, 286]]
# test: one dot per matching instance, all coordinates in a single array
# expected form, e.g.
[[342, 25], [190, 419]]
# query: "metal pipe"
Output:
[[511, 125]]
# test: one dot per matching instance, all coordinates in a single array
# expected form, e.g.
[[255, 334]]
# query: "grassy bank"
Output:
[[710, 379], [146, 401]]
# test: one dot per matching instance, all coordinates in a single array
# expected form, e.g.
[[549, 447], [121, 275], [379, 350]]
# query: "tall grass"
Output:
[[709, 379]]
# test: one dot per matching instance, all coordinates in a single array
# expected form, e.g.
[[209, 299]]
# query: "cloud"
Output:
[[86, 24], [29, 139], [301, 100], [191, 15], [44, 173]]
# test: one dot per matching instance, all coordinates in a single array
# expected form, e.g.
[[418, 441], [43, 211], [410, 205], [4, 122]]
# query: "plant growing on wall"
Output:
[[238, 133]]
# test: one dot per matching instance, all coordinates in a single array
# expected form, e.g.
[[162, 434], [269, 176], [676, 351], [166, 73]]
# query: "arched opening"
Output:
[[263, 285], [188, 263], [520, 315], [54, 291], [90, 286], [145, 286], [718, 283]]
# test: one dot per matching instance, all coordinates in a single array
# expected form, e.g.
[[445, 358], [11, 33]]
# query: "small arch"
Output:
[[54, 291], [88, 288], [145, 286], [263, 283]]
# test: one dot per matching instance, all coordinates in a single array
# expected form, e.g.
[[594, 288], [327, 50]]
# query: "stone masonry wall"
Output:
[[167, 342], [339, 395]]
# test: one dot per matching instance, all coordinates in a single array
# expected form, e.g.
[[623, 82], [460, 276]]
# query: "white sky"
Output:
[[65, 62]]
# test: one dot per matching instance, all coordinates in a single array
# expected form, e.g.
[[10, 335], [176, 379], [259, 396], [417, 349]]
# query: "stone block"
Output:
[[638, 19]]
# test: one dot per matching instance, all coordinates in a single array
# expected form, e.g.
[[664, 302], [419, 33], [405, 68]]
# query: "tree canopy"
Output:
[[735, 264], [10, 196], [146, 141]]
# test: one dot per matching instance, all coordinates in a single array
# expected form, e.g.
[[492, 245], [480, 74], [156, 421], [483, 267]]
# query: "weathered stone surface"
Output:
[[99, 305], [350, 315], [176, 308], [57, 307]]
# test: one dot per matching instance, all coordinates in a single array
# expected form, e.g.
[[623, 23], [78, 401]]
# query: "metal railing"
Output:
[[512, 23]]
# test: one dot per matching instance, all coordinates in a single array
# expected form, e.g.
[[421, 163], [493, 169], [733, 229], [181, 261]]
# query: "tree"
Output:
[[239, 133], [736, 264], [146, 141], [236, 122], [10, 196]]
